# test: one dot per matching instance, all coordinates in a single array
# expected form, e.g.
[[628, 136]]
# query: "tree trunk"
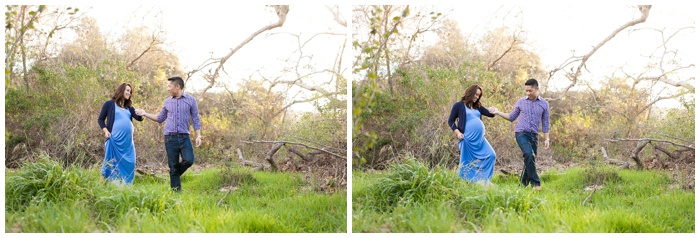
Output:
[[270, 155], [242, 161], [298, 153], [24, 64], [635, 153]]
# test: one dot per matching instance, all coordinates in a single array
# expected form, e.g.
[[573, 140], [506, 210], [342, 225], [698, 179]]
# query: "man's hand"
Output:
[[198, 141], [546, 144]]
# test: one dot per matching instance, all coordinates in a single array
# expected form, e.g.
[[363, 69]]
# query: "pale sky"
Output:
[[196, 31], [557, 30], [554, 30]]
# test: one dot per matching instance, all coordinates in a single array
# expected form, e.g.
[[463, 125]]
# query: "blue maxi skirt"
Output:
[[477, 157], [120, 154]]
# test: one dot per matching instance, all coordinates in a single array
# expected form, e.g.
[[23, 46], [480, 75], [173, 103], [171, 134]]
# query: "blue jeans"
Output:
[[176, 146], [528, 145]]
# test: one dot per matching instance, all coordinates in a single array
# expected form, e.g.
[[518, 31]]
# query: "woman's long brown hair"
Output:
[[469, 94], [118, 96]]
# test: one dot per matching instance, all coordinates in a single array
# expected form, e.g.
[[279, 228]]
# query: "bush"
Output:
[[599, 174], [45, 180], [411, 182], [229, 176]]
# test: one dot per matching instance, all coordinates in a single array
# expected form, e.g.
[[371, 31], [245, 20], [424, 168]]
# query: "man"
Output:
[[178, 109], [532, 110]]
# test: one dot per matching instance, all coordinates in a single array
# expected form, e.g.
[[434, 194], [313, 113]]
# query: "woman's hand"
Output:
[[459, 134], [107, 134]]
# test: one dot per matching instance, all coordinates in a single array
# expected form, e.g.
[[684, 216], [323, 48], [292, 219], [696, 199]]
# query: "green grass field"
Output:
[[43, 197], [412, 198]]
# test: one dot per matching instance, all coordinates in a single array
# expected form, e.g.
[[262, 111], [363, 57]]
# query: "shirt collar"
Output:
[[536, 99], [181, 96]]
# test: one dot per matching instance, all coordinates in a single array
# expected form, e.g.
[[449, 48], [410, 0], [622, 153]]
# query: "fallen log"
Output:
[[257, 166], [296, 143]]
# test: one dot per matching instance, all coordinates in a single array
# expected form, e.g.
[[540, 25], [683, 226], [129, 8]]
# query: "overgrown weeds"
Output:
[[410, 182], [411, 197], [46, 181], [45, 197]]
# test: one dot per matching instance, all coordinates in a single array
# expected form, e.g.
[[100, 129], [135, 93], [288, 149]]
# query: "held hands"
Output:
[[493, 110], [140, 112]]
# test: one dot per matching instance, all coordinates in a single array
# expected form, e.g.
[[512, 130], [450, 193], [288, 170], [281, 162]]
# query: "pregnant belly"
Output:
[[474, 129], [122, 128]]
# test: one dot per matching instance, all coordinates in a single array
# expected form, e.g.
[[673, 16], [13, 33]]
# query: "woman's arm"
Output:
[[485, 112], [103, 115], [134, 115], [101, 119], [454, 114]]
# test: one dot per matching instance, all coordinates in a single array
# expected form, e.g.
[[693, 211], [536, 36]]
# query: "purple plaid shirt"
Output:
[[179, 111], [531, 113]]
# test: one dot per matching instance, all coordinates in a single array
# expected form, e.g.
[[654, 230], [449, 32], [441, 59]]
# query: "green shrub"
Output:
[[45, 180], [409, 182], [229, 176], [598, 174]]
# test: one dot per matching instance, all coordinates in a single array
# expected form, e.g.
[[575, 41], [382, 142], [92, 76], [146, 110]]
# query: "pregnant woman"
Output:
[[477, 157], [120, 155]]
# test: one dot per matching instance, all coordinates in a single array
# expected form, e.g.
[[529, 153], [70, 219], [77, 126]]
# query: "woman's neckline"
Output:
[[117, 105]]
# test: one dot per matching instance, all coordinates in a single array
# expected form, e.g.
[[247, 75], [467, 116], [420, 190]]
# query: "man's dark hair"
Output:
[[178, 81], [532, 83]]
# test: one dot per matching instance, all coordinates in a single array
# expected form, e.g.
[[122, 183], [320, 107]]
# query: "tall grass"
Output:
[[437, 200], [44, 197], [45, 181]]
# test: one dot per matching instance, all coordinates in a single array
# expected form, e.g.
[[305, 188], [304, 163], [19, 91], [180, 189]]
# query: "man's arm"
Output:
[[512, 116], [196, 122], [151, 116], [545, 126], [156, 118], [503, 115]]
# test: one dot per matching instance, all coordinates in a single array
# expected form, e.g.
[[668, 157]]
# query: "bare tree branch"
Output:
[[595, 187], [242, 161], [151, 45], [204, 64], [510, 48], [665, 151], [296, 143], [650, 139], [303, 101], [657, 100], [298, 153], [644, 9], [335, 10], [297, 82], [281, 10]]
